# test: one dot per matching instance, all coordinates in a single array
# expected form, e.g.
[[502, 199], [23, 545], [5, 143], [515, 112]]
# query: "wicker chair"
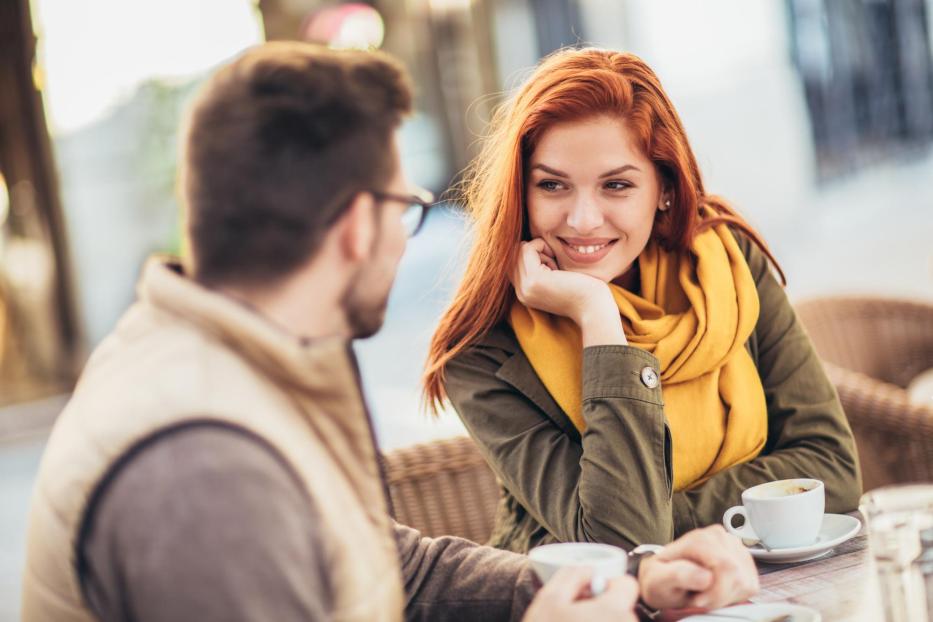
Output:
[[872, 348], [443, 488]]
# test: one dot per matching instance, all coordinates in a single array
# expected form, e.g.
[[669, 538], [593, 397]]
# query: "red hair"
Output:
[[567, 85]]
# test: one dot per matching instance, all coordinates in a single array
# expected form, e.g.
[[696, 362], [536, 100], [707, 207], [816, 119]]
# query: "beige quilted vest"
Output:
[[182, 353]]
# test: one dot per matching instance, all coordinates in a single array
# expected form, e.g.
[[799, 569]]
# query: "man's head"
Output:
[[287, 151]]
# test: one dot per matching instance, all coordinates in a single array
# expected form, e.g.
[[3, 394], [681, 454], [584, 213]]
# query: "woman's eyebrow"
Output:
[[553, 171], [621, 169], [549, 170]]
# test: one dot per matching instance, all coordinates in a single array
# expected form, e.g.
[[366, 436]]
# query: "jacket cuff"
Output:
[[621, 371]]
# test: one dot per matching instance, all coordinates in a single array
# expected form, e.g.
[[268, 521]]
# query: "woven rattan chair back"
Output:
[[872, 348], [443, 488]]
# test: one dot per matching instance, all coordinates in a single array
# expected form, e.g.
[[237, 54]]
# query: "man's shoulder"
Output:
[[202, 447], [168, 353], [204, 499], [212, 464]]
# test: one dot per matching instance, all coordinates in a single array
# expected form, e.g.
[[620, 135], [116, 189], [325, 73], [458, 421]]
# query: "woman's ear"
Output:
[[357, 228]]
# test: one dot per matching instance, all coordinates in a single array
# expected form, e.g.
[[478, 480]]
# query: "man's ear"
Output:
[[357, 228]]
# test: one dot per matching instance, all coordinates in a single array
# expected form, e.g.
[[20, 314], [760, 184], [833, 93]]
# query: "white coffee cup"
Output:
[[604, 560], [782, 514]]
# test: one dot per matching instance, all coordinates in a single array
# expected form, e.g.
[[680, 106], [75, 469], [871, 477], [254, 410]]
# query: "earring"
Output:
[[667, 205]]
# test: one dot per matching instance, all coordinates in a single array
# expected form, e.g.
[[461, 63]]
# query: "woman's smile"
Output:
[[586, 250]]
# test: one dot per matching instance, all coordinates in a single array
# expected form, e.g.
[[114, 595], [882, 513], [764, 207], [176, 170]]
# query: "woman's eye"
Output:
[[618, 185], [549, 185]]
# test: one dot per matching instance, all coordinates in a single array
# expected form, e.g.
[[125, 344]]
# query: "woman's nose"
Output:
[[585, 216]]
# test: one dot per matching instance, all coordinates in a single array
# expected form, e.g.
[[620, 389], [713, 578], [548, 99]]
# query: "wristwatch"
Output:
[[635, 558], [639, 553]]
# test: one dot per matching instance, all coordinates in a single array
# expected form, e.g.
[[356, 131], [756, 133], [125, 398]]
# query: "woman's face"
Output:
[[592, 196]]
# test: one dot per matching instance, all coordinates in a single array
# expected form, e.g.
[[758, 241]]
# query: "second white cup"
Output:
[[782, 514]]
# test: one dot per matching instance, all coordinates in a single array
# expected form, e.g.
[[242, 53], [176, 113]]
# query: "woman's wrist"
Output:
[[600, 323]]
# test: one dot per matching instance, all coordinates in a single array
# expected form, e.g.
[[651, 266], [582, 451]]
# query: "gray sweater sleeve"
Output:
[[204, 523], [450, 579]]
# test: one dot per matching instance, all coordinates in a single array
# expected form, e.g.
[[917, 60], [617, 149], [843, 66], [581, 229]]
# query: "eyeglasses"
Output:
[[417, 211]]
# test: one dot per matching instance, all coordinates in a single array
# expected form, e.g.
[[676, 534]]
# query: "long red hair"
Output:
[[569, 84]]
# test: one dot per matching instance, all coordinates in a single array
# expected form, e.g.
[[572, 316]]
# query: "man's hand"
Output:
[[706, 568], [566, 597], [670, 584]]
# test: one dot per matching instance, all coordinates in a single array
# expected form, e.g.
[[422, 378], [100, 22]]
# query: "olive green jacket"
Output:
[[614, 484]]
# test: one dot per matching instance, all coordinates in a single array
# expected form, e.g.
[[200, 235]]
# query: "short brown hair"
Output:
[[278, 143]]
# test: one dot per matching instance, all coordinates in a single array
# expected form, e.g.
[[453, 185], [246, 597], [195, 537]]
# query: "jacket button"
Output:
[[649, 377]]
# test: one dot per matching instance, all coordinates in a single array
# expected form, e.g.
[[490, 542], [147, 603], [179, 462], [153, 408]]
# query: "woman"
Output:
[[619, 348]]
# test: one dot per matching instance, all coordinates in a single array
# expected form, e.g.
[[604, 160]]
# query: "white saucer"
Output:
[[836, 529], [760, 613]]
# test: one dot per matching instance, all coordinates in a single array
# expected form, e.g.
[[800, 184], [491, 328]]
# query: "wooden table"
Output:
[[841, 586]]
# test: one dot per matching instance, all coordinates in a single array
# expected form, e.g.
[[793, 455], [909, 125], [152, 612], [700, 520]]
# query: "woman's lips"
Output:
[[586, 251]]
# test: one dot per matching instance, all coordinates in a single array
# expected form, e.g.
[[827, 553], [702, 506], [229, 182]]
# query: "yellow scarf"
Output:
[[695, 317]]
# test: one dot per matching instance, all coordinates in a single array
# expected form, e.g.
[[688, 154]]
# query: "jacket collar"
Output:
[[518, 372]]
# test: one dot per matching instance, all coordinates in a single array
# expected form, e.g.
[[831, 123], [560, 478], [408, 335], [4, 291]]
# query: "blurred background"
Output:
[[815, 117]]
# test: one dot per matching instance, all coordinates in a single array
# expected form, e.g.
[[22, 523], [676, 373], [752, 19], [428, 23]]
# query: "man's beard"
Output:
[[364, 317]]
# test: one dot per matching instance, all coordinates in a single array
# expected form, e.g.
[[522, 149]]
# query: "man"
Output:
[[216, 461]]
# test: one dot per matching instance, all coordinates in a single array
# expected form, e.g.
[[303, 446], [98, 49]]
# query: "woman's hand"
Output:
[[566, 597], [586, 300]]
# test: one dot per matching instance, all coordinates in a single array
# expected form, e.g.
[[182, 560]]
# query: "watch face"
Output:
[[647, 548]]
